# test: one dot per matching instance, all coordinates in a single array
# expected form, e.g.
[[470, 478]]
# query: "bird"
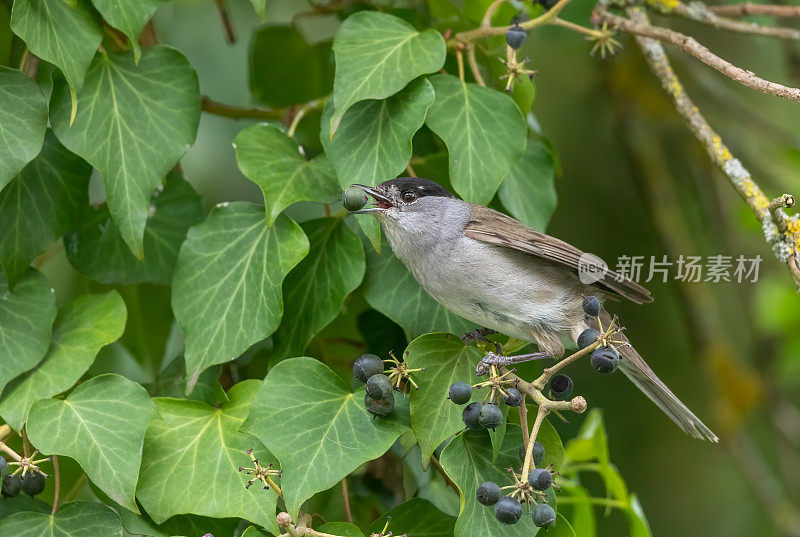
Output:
[[498, 273]]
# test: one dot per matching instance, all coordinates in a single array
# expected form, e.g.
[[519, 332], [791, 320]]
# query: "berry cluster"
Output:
[[605, 358], [369, 369], [508, 509], [31, 481], [485, 414], [264, 474]]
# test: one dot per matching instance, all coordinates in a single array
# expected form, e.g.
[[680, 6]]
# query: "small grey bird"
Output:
[[500, 274]]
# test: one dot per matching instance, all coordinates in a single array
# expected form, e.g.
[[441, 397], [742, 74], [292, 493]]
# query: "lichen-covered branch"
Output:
[[746, 8], [784, 243], [699, 51], [700, 12]]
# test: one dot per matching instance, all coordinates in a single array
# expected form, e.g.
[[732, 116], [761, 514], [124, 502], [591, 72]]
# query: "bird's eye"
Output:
[[409, 196]]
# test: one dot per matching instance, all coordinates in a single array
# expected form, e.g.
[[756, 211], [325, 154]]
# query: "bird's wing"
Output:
[[485, 223]]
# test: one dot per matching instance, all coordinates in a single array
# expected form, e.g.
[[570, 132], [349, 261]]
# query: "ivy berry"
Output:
[[3, 466], [587, 337], [380, 407], [544, 516], [515, 36], [560, 387], [538, 453], [379, 387], [490, 417], [513, 397], [488, 493], [591, 305], [540, 479], [470, 415], [33, 483], [11, 486], [460, 393], [605, 359], [354, 198], [507, 510], [366, 366]]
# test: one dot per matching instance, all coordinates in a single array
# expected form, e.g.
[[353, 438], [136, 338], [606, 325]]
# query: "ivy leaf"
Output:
[[484, 132], [26, 317], [62, 34], [393, 291], [171, 382], [446, 360], [40, 204], [376, 56], [529, 191], [562, 528], [23, 115], [226, 291], [82, 327], [97, 249], [133, 124], [316, 288], [271, 160], [320, 431], [74, 519], [276, 53], [260, 6], [467, 459], [416, 517], [343, 529], [183, 525], [101, 425], [192, 431], [128, 17], [373, 141]]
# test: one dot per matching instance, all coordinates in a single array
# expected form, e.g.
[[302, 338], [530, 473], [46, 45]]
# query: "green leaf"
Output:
[[582, 511], [274, 59], [373, 142], [484, 132], [133, 124], [171, 382], [191, 431], [562, 528], [468, 462], [343, 529], [391, 289], [591, 442], [183, 525], [101, 425], [96, 248], [416, 517], [23, 115], [376, 56], [82, 327], [260, 7], [637, 522], [252, 531], [272, 160], [529, 191], [26, 317], [320, 431], [74, 519], [553, 450], [315, 290], [23, 502], [128, 17], [226, 291], [40, 204], [434, 418], [63, 34]]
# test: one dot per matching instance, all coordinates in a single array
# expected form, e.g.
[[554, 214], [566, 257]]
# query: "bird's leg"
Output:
[[496, 359], [479, 334]]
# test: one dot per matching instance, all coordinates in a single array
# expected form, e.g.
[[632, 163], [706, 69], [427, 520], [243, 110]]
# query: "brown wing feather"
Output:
[[485, 223]]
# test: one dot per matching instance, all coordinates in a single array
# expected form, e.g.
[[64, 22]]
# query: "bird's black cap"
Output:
[[422, 187]]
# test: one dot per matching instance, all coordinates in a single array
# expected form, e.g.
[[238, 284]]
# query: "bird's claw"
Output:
[[491, 359]]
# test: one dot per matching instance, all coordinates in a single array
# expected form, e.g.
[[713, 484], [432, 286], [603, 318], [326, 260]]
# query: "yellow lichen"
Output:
[[664, 5]]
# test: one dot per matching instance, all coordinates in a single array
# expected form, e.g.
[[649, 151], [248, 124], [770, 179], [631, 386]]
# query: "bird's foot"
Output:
[[495, 359], [479, 334]]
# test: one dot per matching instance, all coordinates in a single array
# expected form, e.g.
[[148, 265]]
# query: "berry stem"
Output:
[[57, 475], [537, 423]]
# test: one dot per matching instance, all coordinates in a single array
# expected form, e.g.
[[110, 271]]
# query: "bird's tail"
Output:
[[637, 370]]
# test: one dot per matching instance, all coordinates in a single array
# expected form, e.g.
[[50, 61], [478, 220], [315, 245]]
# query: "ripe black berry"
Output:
[[507, 510], [544, 516], [379, 387], [366, 366], [354, 198], [560, 387], [11, 486], [381, 407], [470, 415], [460, 393], [488, 493], [538, 453], [515, 36], [33, 483], [540, 479], [490, 417], [605, 359], [3, 466], [587, 337], [513, 397], [591, 305]]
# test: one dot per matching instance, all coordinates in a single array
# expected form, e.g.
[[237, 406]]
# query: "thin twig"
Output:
[[576, 27], [523, 421], [746, 8], [537, 423], [410, 170], [346, 498], [237, 112], [699, 51], [227, 21], [487, 31], [778, 217], [13, 454], [460, 62], [5, 430], [57, 475], [473, 64], [76, 488], [699, 12]]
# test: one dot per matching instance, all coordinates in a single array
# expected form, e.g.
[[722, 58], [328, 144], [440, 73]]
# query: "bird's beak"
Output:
[[381, 201]]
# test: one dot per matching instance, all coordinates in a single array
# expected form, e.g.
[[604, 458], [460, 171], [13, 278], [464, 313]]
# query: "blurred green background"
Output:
[[634, 182]]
